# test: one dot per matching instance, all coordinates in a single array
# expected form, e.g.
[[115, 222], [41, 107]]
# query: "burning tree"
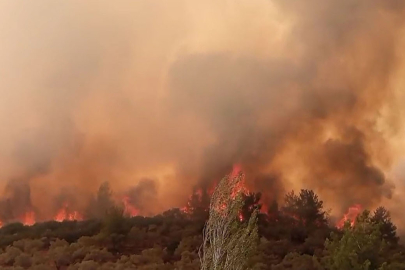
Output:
[[363, 245], [228, 241]]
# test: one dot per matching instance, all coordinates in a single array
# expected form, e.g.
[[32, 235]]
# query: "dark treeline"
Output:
[[295, 234]]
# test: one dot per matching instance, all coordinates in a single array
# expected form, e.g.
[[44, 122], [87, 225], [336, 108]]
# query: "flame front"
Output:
[[65, 214], [199, 201], [129, 209], [28, 218], [351, 216]]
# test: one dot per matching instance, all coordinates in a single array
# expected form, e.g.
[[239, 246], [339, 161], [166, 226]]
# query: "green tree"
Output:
[[101, 203], [24, 260], [189, 261], [115, 229], [297, 261], [273, 213], [388, 230], [228, 243], [306, 209], [191, 244], [358, 248], [115, 221]]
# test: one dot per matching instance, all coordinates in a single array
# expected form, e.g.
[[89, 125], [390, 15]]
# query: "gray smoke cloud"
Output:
[[302, 94]]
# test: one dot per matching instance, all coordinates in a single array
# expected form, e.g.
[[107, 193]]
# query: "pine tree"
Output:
[[387, 228]]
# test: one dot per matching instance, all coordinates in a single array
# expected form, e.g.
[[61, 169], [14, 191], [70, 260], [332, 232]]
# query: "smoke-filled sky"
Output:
[[302, 94]]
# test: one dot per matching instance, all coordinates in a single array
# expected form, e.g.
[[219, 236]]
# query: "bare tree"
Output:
[[228, 241]]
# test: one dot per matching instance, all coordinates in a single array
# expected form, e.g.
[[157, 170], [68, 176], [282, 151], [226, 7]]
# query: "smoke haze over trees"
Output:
[[159, 98], [294, 236]]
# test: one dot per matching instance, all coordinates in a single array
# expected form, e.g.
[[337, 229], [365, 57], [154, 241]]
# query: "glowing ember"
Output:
[[240, 188], [129, 209], [185, 210], [351, 216]]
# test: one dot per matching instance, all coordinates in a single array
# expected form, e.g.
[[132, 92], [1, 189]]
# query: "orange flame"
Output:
[[351, 216], [28, 218], [65, 214], [129, 209], [264, 209], [240, 188], [188, 209]]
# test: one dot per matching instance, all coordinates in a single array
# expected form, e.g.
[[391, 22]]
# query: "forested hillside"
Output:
[[296, 234]]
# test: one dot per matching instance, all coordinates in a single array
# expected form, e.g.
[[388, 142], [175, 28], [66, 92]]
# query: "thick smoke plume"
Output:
[[302, 94]]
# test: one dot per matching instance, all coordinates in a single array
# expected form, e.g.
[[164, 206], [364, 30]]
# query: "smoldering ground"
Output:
[[300, 93]]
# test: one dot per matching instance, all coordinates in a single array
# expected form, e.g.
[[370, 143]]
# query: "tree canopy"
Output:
[[293, 233]]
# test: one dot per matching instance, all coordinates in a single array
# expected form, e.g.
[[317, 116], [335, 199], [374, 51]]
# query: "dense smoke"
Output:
[[16, 200], [302, 94], [143, 197]]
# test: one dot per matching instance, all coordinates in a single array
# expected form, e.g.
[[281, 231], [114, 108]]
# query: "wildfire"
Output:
[[200, 197], [28, 218], [351, 216], [65, 214], [264, 209], [185, 209], [199, 201], [196, 197], [129, 209], [237, 168]]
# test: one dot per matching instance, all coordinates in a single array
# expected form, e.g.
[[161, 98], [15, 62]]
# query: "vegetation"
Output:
[[229, 241], [294, 234]]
